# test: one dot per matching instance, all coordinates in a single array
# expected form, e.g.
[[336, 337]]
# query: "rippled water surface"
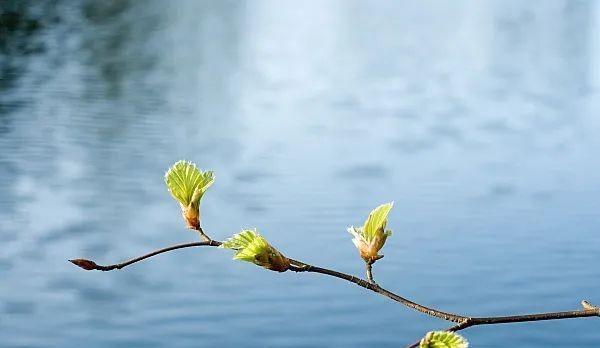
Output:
[[481, 120]]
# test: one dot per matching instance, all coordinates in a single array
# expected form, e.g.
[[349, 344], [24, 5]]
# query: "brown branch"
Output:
[[462, 325], [297, 266], [582, 313], [203, 235], [303, 267], [462, 321], [90, 265], [588, 310]]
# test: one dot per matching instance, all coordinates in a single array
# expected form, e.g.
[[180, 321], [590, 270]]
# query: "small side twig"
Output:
[[369, 268], [90, 265], [203, 235], [462, 325]]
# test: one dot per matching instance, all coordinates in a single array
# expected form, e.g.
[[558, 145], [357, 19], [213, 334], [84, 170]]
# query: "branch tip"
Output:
[[589, 306], [88, 265]]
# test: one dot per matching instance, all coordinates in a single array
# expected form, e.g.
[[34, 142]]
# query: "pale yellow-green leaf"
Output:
[[255, 251], [241, 240], [250, 246], [443, 339], [187, 183], [377, 221]]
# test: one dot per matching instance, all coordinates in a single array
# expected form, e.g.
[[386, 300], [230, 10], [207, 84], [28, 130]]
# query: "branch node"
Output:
[[203, 235]]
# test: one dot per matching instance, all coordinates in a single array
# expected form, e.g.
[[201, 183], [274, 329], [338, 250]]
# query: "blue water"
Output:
[[481, 120]]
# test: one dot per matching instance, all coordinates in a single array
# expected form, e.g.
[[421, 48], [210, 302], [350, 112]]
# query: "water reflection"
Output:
[[477, 119]]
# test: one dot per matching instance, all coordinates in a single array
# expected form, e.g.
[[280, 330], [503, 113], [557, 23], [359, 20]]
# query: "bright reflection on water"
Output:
[[480, 119]]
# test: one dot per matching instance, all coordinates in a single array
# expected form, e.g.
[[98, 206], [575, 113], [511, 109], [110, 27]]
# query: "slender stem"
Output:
[[91, 265], [298, 266], [588, 310], [369, 267], [465, 324], [462, 321], [203, 235], [304, 267], [582, 313], [462, 325]]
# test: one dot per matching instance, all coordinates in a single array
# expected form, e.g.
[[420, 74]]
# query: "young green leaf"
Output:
[[377, 221], [187, 184], [443, 339], [250, 246], [371, 237]]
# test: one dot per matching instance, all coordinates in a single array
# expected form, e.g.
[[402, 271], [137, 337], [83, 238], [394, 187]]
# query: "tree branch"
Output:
[[304, 267], [297, 266], [462, 321], [463, 325], [588, 310], [90, 265]]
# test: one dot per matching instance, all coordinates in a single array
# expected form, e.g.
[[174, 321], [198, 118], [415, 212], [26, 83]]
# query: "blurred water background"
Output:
[[479, 119]]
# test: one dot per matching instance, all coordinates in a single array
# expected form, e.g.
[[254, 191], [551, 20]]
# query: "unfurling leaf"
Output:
[[250, 246], [371, 237], [376, 221], [187, 185], [443, 339]]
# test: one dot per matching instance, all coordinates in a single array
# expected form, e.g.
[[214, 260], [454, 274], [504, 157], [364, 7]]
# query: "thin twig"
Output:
[[304, 267], [90, 265], [462, 325], [203, 235], [582, 313], [369, 267], [301, 267], [462, 321], [589, 310]]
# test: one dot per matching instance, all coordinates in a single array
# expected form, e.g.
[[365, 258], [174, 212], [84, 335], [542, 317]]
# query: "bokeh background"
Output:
[[479, 119]]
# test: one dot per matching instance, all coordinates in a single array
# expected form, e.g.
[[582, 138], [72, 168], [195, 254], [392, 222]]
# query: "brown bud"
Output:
[[191, 215], [88, 265], [369, 251], [278, 262]]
